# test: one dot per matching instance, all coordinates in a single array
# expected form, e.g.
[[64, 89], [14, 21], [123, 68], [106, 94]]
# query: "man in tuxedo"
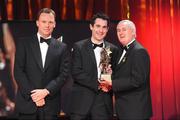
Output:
[[41, 68], [131, 78], [88, 100]]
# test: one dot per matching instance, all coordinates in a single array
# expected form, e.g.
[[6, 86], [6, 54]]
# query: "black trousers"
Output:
[[98, 110], [40, 114]]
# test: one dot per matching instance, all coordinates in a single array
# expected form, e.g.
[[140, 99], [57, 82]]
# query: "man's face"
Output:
[[46, 24], [99, 29], [125, 34]]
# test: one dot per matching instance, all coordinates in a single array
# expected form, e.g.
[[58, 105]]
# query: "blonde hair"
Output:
[[130, 25]]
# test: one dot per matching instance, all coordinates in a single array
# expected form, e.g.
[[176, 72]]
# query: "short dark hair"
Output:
[[46, 10], [101, 16]]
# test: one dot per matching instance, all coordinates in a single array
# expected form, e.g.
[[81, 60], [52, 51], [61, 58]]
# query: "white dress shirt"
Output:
[[124, 51], [44, 48], [97, 52]]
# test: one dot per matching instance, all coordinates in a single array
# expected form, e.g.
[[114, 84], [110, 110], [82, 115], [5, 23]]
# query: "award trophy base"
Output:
[[106, 77]]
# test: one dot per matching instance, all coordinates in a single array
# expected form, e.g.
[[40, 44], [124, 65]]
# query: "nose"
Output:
[[101, 30], [47, 24], [120, 32]]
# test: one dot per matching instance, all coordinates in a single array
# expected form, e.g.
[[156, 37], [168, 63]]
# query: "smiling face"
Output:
[[99, 29], [125, 33], [46, 23]]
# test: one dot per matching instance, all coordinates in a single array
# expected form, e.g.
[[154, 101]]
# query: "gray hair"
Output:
[[130, 25]]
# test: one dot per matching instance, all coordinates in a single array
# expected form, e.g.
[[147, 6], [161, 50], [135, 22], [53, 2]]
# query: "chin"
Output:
[[100, 38]]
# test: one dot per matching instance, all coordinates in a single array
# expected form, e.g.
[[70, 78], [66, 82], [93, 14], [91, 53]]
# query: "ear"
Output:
[[90, 26], [54, 24], [37, 23]]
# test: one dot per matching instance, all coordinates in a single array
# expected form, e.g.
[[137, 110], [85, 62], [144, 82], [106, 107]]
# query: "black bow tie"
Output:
[[48, 41], [125, 48], [97, 45]]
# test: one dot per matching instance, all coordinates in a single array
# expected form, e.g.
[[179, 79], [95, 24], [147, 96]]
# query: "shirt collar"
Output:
[[38, 35], [130, 43], [102, 41]]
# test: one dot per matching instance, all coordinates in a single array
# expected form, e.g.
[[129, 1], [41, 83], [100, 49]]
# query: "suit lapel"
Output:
[[36, 51], [106, 44], [124, 59], [90, 50]]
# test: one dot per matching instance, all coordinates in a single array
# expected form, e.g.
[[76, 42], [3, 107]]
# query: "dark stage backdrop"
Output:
[[71, 31]]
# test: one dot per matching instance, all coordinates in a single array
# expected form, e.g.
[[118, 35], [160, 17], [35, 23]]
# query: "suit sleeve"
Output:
[[59, 81], [20, 71], [137, 75]]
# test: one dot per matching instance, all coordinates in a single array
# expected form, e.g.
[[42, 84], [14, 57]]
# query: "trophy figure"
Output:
[[105, 65]]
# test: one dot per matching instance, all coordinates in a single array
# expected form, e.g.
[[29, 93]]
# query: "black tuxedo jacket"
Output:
[[85, 76], [131, 84], [30, 74]]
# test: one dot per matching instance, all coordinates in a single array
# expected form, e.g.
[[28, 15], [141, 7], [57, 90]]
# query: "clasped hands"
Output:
[[38, 96]]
